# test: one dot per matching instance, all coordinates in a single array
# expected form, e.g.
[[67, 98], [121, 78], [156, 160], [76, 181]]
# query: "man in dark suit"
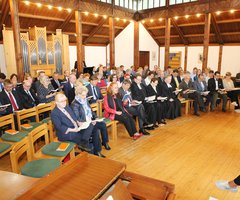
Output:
[[139, 93], [8, 96], [187, 92], [56, 82], [133, 108], [69, 90], [94, 90], [28, 96], [2, 78], [176, 80], [66, 124], [200, 85], [215, 86]]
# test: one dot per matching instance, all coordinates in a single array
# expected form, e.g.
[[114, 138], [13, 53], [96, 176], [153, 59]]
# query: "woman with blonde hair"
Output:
[[45, 91], [114, 110]]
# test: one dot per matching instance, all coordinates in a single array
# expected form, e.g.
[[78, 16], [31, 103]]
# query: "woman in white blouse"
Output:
[[231, 91]]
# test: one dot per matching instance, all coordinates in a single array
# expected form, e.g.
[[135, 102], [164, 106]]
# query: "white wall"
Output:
[[193, 58], [147, 43], [162, 58], [231, 60], [213, 54], [72, 55], [95, 56], [2, 60]]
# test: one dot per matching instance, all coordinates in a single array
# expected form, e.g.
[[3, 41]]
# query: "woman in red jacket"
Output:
[[114, 110]]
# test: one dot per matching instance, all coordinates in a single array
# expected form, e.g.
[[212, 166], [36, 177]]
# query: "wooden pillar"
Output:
[[220, 58], [206, 40], [185, 58], [78, 19], [167, 41], [112, 42], [158, 56], [136, 45], [83, 53], [16, 35]]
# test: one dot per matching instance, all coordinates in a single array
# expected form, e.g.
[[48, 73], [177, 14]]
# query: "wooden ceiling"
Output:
[[225, 27]]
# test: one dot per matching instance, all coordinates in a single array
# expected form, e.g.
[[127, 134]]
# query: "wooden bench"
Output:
[[187, 103]]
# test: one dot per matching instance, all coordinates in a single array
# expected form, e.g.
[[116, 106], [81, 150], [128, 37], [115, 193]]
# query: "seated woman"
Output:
[[45, 90], [14, 81], [173, 103], [84, 113], [231, 93], [101, 81], [160, 107], [114, 110], [66, 124], [114, 79]]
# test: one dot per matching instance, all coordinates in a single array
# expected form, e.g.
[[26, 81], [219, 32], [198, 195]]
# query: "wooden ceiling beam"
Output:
[[66, 21], [179, 31], [217, 30], [94, 30], [4, 11]]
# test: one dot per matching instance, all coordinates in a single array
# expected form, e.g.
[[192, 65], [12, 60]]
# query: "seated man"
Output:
[[94, 90], [132, 107], [28, 96], [200, 86], [56, 82], [67, 126], [188, 92], [215, 86], [8, 96], [69, 88]]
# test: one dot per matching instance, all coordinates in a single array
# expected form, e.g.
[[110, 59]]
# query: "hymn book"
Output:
[[62, 147]]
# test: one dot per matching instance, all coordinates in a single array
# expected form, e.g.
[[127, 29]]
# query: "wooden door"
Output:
[[143, 58]]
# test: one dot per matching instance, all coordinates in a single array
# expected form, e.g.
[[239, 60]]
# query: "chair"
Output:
[[26, 114], [49, 150], [43, 108], [4, 148], [95, 108], [9, 138], [33, 168]]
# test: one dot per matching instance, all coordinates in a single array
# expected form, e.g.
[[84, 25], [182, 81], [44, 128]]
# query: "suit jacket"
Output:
[[62, 122], [138, 94], [69, 92], [212, 85], [79, 111], [90, 93], [168, 91], [184, 86], [4, 99], [54, 84], [27, 101], [197, 86], [174, 82], [151, 91]]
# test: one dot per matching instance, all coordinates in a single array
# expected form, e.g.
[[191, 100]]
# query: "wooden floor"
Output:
[[190, 152]]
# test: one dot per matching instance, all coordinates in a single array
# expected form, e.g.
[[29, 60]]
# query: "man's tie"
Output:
[[70, 118], [177, 83], [15, 107], [29, 93], [95, 92], [57, 83]]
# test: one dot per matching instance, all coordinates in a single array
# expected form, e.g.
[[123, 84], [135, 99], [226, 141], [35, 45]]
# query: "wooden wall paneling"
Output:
[[136, 44], [8, 45], [16, 35], [185, 58], [78, 19], [112, 41], [206, 40], [167, 42]]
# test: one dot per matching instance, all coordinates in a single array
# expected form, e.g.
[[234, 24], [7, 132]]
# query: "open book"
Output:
[[4, 106], [89, 97], [205, 93], [162, 98], [177, 90], [84, 125], [53, 91], [151, 98], [98, 120], [11, 131], [62, 147], [191, 91]]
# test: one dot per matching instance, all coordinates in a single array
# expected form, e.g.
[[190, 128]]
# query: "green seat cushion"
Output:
[[15, 138], [51, 149], [46, 120], [33, 124], [40, 168], [106, 120], [4, 147]]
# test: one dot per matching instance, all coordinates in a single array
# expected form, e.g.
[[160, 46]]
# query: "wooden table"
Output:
[[13, 185], [85, 177]]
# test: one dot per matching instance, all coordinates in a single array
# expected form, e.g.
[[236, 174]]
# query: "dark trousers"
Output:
[[237, 180], [138, 111], [233, 95], [215, 96], [128, 122], [151, 112], [101, 126], [195, 97]]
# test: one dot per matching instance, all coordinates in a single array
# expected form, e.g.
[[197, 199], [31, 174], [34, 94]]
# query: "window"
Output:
[[173, 2]]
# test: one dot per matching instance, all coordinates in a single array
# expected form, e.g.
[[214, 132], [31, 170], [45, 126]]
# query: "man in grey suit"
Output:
[[188, 92], [200, 85]]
